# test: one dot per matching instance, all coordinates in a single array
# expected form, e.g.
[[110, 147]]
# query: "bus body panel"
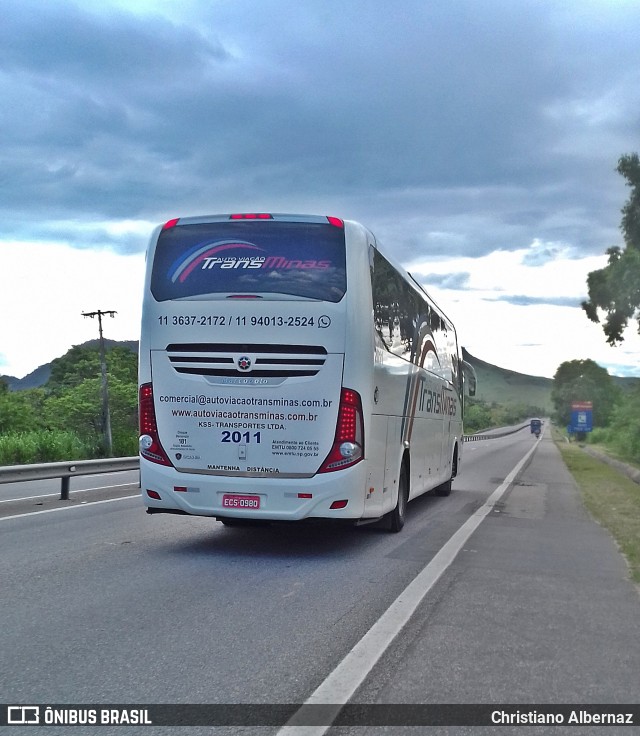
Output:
[[247, 421], [430, 455], [418, 381], [246, 390]]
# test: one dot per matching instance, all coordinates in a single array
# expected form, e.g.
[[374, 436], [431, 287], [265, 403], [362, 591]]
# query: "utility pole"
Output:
[[106, 415]]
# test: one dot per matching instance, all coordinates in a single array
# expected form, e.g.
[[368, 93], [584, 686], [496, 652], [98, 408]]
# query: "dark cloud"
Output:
[[110, 49], [449, 128], [456, 281], [89, 235], [522, 300], [541, 253]]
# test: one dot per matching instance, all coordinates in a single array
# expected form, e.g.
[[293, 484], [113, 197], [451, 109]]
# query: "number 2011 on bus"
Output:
[[241, 437]]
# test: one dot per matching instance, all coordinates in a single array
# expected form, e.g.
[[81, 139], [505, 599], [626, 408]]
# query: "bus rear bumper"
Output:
[[337, 495]]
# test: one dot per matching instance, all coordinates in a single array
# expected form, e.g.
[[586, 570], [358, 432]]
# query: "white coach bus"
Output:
[[289, 371]]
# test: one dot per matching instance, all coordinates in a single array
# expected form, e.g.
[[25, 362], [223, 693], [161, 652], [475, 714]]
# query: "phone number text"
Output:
[[219, 320]]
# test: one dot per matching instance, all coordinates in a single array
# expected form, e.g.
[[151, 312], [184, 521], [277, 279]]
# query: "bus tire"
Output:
[[444, 489], [396, 518]]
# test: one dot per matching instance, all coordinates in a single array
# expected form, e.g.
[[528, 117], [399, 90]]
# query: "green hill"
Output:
[[41, 374], [502, 386]]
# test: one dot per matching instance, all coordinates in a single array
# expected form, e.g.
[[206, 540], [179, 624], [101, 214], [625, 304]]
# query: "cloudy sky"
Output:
[[477, 138]]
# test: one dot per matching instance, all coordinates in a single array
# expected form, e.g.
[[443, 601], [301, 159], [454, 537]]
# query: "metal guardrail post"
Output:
[[65, 470]]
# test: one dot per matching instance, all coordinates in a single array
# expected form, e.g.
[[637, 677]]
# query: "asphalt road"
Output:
[[103, 604], [43, 491]]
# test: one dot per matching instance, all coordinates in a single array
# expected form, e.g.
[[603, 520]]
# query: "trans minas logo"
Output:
[[204, 256], [234, 254]]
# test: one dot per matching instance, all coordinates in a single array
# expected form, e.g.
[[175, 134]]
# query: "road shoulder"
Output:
[[538, 608], [38, 504]]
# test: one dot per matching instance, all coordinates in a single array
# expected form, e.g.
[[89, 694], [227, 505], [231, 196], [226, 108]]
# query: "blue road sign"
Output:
[[581, 417]]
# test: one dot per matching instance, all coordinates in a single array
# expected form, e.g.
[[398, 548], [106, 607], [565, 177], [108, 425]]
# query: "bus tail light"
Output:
[[251, 216], [348, 444], [150, 447]]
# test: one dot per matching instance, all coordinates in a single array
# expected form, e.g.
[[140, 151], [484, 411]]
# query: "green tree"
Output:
[[477, 416], [584, 380], [625, 426], [80, 408], [75, 398], [615, 289], [82, 362], [64, 418], [20, 411]]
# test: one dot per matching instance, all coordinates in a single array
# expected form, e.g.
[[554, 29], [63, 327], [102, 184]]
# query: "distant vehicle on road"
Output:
[[289, 370], [536, 427]]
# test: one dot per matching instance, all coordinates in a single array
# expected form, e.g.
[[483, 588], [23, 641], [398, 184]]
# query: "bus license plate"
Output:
[[235, 501]]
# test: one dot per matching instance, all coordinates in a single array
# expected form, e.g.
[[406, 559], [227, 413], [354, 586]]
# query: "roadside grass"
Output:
[[614, 453], [43, 446], [611, 498], [53, 445]]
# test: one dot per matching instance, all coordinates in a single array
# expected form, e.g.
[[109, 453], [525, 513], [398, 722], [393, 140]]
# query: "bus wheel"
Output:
[[444, 489], [396, 518]]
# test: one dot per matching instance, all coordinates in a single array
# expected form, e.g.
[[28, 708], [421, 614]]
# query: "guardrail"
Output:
[[66, 470], [497, 435]]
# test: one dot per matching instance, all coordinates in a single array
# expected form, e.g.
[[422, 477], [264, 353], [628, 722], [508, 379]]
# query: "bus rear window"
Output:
[[218, 259]]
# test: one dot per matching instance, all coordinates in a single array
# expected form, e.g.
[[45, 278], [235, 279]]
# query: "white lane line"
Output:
[[342, 683], [73, 490], [68, 508]]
